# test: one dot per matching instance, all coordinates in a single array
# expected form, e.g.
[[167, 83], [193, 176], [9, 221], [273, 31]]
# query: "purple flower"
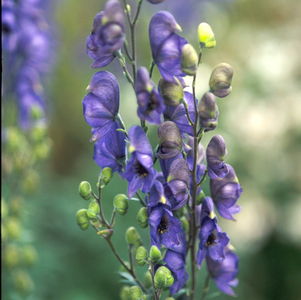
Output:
[[139, 171], [9, 25], [157, 192], [166, 45], [166, 230], [224, 272], [150, 102], [107, 35], [176, 263], [225, 193], [215, 153], [101, 104], [178, 115], [179, 181]]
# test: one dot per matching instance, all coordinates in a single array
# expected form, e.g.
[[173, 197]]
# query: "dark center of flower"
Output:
[[163, 226], [211, 239], [153, 103], [140, 170], [6, 29], [111, 34]]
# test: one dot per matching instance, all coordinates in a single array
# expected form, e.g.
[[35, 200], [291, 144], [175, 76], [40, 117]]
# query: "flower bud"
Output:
[[136, 293], [121, 203], [29, 255], [22, 282], [36, 112], [93, 209], [11, 256], [4, 209], [185, 223], [169, 298], [105, 233], [163, 278], [220, 80], [142, 217], [200, 197], [208, 112], [85, 190], [189, 60], [125, 293], [148, 279], [172, 92], [82, 219], [13, 228], [38, 133], [206, 36], [106, 175], [30, 182], [155, 254], [16, 205], [141, 256], [132, 237]]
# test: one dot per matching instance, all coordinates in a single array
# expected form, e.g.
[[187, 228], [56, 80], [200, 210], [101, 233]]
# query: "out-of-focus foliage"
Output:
[[261, 122]]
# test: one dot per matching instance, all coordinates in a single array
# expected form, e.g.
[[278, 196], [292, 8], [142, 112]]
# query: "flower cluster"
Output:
[[170, 177]]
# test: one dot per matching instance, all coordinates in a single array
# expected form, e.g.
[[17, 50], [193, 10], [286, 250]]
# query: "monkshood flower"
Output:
[[101, 104], [178, 115], [224, 272], [215, 153], [176, 263], [139, 171], [9, 25], [150, 102], [166, 45], [107, 35], [157, 192], [188, 147], [225, 193], [179, 181]]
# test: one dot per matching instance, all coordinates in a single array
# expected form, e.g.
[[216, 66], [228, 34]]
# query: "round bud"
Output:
[[125, 293], [200, 197], [172, 92], [206, 36], [185, 223], [106, 175], [29, 255], [142, 217], [141, 256], [132, 237], [121, 203], [189, 60], [93, 209], [38, 133], [13, 228], [208, 112], [11, 256], [82, 219], [136, 293], [16, 205], [148, 279], [36, 112], [155, 254], [30, 182], [163, 278], [85, 190], [105, 233], [169, 298], [221, 79], [22, 282]]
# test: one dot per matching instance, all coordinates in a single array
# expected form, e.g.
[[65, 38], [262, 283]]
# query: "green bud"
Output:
[[169, 298], [85, 190], [4, 208], [30, 182], [93, 209], [136, 293], [133, 237], [155, 254], [142, 217], [163, 278], [121, 203], [106, 175], [206, 36], [125, 293], [42, 150], [221, 79], [82, 219], [200, 197], [36, 112], [11, 256], [172, 92], [189, 60], [148, 279], [185, 223], [13, 228], [29, 255], [105, 233], [141, 256], [38, 133], [16, 205], [14, 139], [22, 282]]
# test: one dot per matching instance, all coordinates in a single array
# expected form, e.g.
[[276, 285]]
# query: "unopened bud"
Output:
[[125, 293], [13, 228], [221, 79], [141, 256], [82, 219], [169, 298], [206, 36], [185, 223], [136, 293], [172, 92], [121, 203], [133, 237], [208, 112], [85, 190], [16, 205], [163, 278], [189, 60], [105, 233], [142, 217], [148, 279], [11, 256], [200, 197], [30, 182], [38, 133], [22, 282], [155, 254], [36, 112], [29, 255], [106, 175], [93, 209]]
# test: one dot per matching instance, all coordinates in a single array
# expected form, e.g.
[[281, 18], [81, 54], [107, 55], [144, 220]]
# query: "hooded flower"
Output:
[[215, 153], [225, 193], [139, 171], [150, 102], [166, 45], [179, 181], [107, 35], [178, 115], [224, 272], [176, 263], [9, 25], [101, 104]]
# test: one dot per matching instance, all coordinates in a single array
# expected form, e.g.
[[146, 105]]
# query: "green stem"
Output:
[[205, 287], [153, 282], [151, 69]]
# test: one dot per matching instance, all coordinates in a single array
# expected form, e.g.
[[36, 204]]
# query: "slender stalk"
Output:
[[187, 113], [205, 289], [151, 69], [140, 199]]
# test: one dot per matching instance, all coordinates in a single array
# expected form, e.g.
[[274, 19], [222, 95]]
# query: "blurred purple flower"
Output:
[[155, 1], [107, 35], [9, 25]]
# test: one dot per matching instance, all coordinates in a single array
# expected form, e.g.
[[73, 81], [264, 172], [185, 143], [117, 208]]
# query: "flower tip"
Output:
[[178, 28], [131, 148], [206, 36]]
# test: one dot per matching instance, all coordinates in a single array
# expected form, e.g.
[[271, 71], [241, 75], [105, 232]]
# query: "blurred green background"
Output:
[[260, 120]]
